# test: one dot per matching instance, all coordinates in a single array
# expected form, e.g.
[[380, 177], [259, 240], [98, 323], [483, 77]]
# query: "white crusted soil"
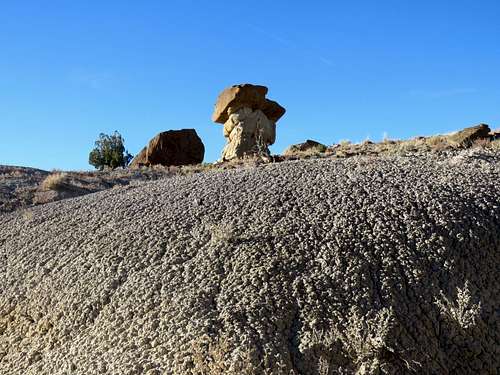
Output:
[[306, 267]]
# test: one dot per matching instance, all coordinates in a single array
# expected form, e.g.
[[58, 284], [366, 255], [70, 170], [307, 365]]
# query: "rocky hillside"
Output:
[[17, 186], [362, 265], [22, 187], [163, 157]]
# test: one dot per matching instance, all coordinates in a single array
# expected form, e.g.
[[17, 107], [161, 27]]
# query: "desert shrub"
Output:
[[438, 142], [261, 147], [28, 216], [222, 233], [410, 145], [463, 311], [109, 152], [315, 150], [218, 356], [364, 339], [53, 181]]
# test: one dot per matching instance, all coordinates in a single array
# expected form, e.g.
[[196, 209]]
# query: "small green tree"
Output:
[[110, 152]]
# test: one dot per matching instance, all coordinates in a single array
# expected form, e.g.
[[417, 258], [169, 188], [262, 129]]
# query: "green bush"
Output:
[[109, 152]]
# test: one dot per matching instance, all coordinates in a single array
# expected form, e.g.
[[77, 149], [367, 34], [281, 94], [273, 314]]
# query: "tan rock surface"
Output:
[[249, 133]]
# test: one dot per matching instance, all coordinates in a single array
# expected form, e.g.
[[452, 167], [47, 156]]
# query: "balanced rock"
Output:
[[173, 147], [467, 136], [249, 120], [309, 146]]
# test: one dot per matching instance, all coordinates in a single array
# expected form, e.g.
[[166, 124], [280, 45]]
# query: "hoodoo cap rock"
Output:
[[246, 95]]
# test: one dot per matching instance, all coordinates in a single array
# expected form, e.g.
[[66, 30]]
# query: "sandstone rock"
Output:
[[467, 136], [273, 110], [249, 133], [249, 120], [495, 134], [309, 146], [173, 147], [246, 95]]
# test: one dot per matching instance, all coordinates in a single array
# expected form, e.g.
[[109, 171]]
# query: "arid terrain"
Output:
[[250, 188], [330, 265], [22, 187]]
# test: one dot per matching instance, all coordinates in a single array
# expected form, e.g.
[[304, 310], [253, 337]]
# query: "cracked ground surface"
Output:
[[260, 268]]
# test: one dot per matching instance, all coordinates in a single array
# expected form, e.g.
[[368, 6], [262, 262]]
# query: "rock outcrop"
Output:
[[467, 136], [249, 120], [309, 146], [173, 147]]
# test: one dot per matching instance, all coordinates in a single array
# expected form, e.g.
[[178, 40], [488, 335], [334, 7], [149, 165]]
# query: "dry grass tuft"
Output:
[[365, 338], [495, 145], [222, 233], [53, 181], [28, 215], [216, 357], [312, 151], [436, 140]]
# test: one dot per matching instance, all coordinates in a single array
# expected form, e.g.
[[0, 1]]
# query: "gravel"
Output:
[[304, 267]]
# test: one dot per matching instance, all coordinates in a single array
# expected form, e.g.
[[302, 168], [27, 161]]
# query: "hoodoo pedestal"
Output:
[[249, 120]]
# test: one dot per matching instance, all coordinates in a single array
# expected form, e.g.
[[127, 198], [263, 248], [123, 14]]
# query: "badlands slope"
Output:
[[307, 267]]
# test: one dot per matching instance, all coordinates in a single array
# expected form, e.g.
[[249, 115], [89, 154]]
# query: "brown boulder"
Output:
[[173, 147], [309, 146], [467, 136], [495, 134], [249, 96]]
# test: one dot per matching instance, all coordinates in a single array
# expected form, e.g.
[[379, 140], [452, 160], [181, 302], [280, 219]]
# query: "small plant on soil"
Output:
[[461, 311]]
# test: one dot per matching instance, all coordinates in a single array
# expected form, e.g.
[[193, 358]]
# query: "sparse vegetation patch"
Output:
[[53, 181]]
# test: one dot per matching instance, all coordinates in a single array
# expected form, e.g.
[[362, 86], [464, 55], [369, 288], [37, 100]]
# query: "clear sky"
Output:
[[343, 70]]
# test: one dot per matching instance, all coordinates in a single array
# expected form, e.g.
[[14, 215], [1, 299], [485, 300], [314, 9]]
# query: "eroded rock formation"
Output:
[[249, 120]]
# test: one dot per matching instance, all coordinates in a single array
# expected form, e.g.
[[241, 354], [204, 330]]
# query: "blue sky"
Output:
[[342, 69]]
